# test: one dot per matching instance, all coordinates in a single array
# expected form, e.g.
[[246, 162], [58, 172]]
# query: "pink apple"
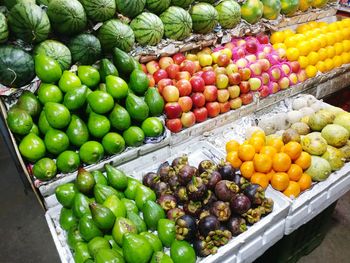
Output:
[[224, 107], [255, 83], [197, 67], [293, 79], [251, 58], [223, 95], [197, 84], [235, 103], [188, 119], [247, 98], [183, 75], [231, 68], [198, 99], [275, 73], [264, 91], [185, 103], [229, 45], [261, 55], [179, 58], [281, 53], [170, 93], [268, 49], [213, 109], [189, 66], [244, 86], [219, 70], [265, 78], [174, 125], [172, 70], [210, 93], [238, 53], [302, 75], [284, 83], [159, 75], [198, 74], [223, 60], [256, 69], [172, 110], [245, 73], [241, 42], [273, 87], [209, 68], [242, 62], [201, 114], [234, 78], [164, 62], [152, 66], [192, 57], [163, 83], [295, 66], [184, 87], [286, 68], [234, 91], [265, 64], [209, 77]]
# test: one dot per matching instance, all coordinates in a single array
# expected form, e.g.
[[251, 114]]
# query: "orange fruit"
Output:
[[292, 54], [246, 152], [270, 174], [329, 64], [311, 71], [281, 162], [304, 160], [232, 146], [277, 37], [294, 172], [232, 158], [260, 179], [305, 182], [322, 54], [257, 142], [259, 133], [268, 150], [262, 163], [303, 61], [338, 48], [247, 169], [313, 58], [321, 66], [337, 61], [293, 149], [276, 143], [280, 181], [293, 190]]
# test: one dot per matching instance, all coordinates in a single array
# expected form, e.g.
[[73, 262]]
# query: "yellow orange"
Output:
[[259, 133], [277, 37], [260, 179], [280, 181], [329, 64], [322, 54], [305, 182], [304, 48], [246, 152], [257, 142], [232, 146], [262, 163], [313, 58], [337, 61], [304, 160], [311, 71], [295, 172], [276, 143], [303, 61], [247, 169], [292, 54], [233, 159], [293, 149], [292, 190], [281, 162], [270, 174], [268, 150]]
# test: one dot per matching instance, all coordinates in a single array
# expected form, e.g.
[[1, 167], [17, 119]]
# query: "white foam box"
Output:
[[243, 248]]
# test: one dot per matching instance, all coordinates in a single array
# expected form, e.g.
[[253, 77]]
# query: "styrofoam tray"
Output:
[[243, 248]]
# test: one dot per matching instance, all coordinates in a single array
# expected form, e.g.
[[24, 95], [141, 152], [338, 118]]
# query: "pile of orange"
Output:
[[267, 161], [317, 46]]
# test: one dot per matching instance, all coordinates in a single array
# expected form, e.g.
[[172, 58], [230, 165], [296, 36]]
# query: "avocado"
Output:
[[30, 103], [123, 61], [120, 118], [154, 101], [136, 107], [139, 82], [98, 125], [107, 68], [19, 121], [75, 98], [57, 115], [77, 131]]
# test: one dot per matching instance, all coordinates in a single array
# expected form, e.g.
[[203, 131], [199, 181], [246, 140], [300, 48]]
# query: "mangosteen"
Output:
[[204, 248], [161, 188], [186, 227], [208, 224], [225, 190], [167, 202], [240, 181], [209, 199], [221, 210], [165, 171], [178, 162], [196, 189], [175, 213], [150, 179], [193, 208], [210, 178], [240, 204], [236, 225], [219, 237], [181, 194], [255, 193], [226, 170], [173, 182], [267, 206], [206, 165], [185, 174], [253, 215], [204, 213]]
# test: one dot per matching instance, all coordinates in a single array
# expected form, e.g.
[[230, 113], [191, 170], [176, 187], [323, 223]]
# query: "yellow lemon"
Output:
[[303, 28], [300, 37], [329, 64], [346, 33], [338, 48], [330, 51], [332, 27], [345, 57], [339, 36], [346, 22], [322, 24], [311, 71], [288, 33], [292, 54], [338, 24], [290, 41], [321, 66], [303, 61], [313, 24], [331, 39], [277, 37], [323, 39], [337, 61], [279, 45], [309, 34], [313, 58], [315, 44], [346, 45], [322, 54], [304, 48]]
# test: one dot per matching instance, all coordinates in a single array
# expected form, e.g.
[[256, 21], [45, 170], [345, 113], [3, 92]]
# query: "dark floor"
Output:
[[25, 236]]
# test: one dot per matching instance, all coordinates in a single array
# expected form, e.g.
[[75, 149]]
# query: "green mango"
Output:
[[182, 251], [166, 231], [136, 107], [115, 205], [136, 248], [154, 101], [152, 213], [49, 93], [68, 81], [43, 124], [103, 216], [77, 131], [65, 194], [56, 141], [114, 244], [105, 255], [89, 75], [123, 61], [138, 82], [101, 192], [121, 227], [57, 115], [116, 178], [120, 118], [107, 68], [99, 177], [143, 194], [32, 147], [100, 102], [117, 87], [30, 103], [130, 205], [67, 219], [98, 125], [96, 244], [153, 240], [81, 205], [75, 99], [74, 237], [47, 69], [88, 228], [130, 191], [85, 181], [81, 254], [19, 121], [137, 220], [161, 257]]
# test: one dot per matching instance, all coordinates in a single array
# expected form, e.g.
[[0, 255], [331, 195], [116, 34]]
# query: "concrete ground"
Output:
[[25, 236]]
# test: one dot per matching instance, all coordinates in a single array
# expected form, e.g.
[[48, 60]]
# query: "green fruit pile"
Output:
[[81, 117], [111, 218]]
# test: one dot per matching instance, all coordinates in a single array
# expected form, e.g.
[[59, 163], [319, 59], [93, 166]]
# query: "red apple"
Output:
[[231, 68], [179, 58], [174, 125], [265, 64], [262, 38], [198, 99], [242, 62], [235, 103], [234, 78], [184, 87], [209, 77], [256, 69], [244, 86], [210, 93], [201, 114], [223, 60], [172, 70], [261, 55], [152, 82], [245, 73], [159, 75], [234, 91], [144, 68], [152, 66], [224, 107], [251, 58], [222, 81], [189, 66], [198, 74], [163, 83], [188, 119], [295, 66], [247, 98], [223, 95], [172, 110], [164, 62], [209, 68], [185, 103], [265, 78], [220, 70], [251, 46], [264, 91], [170, 93], [213, 109], [198, 67], [284, 83], [255, 83], [183, 75], [197, 84]]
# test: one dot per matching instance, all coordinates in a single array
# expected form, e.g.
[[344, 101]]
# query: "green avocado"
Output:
[[45, 169], [32, 147], [43, 124], [154, 101], [98, 125], [136, 248], [100, 101], [122, 61], [88, 228], [19, 121], [136, 107], [81, 205], [30, 103], [77, 131], [120, 118], [75, 99], [68, 161], [47, 69], [57, 115], [56, 141], [107, 68], [91, 152], [49, 93], [138, 82], [67, 219]]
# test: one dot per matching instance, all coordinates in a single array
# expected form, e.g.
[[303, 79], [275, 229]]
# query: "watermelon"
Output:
[[4, 32], [113, 33], [99, 10], [85, 49], [229, 13], [208, 1], [177, 23], [289, 7], [272, 9], [130, 8], [148, 29], [252, 11], [67, 16], [157, 6], [182, 3], [43, 2], [11, 3], [29, 23], [319, 3], [16, 67], [55, 50], [204, 18]]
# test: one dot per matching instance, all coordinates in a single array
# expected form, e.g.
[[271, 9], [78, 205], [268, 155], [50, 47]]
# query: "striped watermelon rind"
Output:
[[252, 11], [85, 49], [272, 9], [229, 13], [68, 17], [182, 3], [130, 8], [148, 29], [157, 6], [204, 18], [11, 3], [99, 10], [114, 33], [29, 23], [4, 31], [177, 23], [289, 7], [56, 50]]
